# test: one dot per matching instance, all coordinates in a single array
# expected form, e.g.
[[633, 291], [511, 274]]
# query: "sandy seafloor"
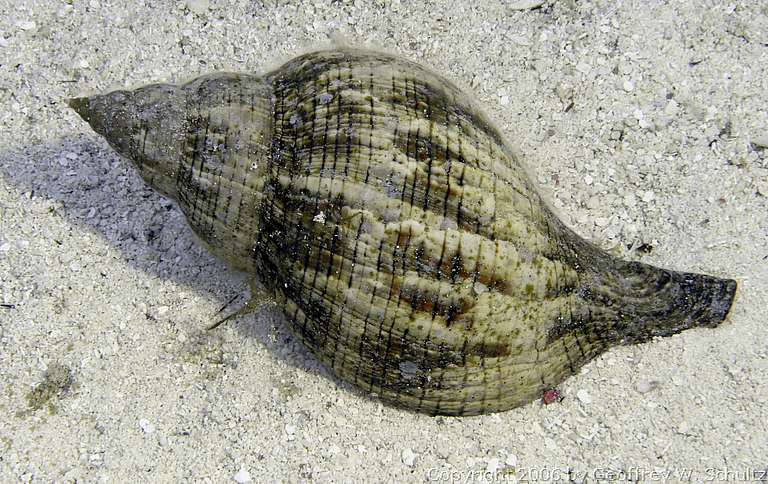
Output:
[[645, 123]]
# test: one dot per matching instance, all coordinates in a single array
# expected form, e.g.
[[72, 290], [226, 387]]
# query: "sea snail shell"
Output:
[[397, 229]]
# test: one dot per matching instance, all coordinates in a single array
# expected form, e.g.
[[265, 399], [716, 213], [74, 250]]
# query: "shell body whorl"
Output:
[[401, 236]]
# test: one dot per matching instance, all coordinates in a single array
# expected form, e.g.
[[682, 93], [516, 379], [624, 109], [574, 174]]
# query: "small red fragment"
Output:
[[550, 396]]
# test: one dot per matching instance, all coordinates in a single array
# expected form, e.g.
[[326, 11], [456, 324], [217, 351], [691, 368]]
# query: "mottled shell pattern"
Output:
[[397, 229]]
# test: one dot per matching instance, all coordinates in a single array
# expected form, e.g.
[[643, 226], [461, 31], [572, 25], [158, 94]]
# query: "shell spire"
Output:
[[191, 143], [145, 125], [396, 228]]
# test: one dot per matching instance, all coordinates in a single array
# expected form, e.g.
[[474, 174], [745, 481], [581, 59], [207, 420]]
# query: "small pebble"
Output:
[[26, 25], [762, 186], [564, 92], [593, 203], [671, 108], [145, 426], [408, 457], [760, 141], [628, 85], [511, 460], [525, 4], [242, 476], [493, 465], [588, 179], [648, 196], [584, 397], [162, 310], [550, 396], [504, 100], [645, 386], [95, 459], [601, 221], [199, 7]]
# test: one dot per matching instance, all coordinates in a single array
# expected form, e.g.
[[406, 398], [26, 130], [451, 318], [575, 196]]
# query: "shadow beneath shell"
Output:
[[98, 192]]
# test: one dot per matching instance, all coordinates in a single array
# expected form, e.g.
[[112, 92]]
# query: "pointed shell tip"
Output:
[[80, 105]]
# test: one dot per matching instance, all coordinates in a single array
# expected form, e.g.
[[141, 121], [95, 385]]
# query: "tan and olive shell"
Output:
[[397, 229]]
